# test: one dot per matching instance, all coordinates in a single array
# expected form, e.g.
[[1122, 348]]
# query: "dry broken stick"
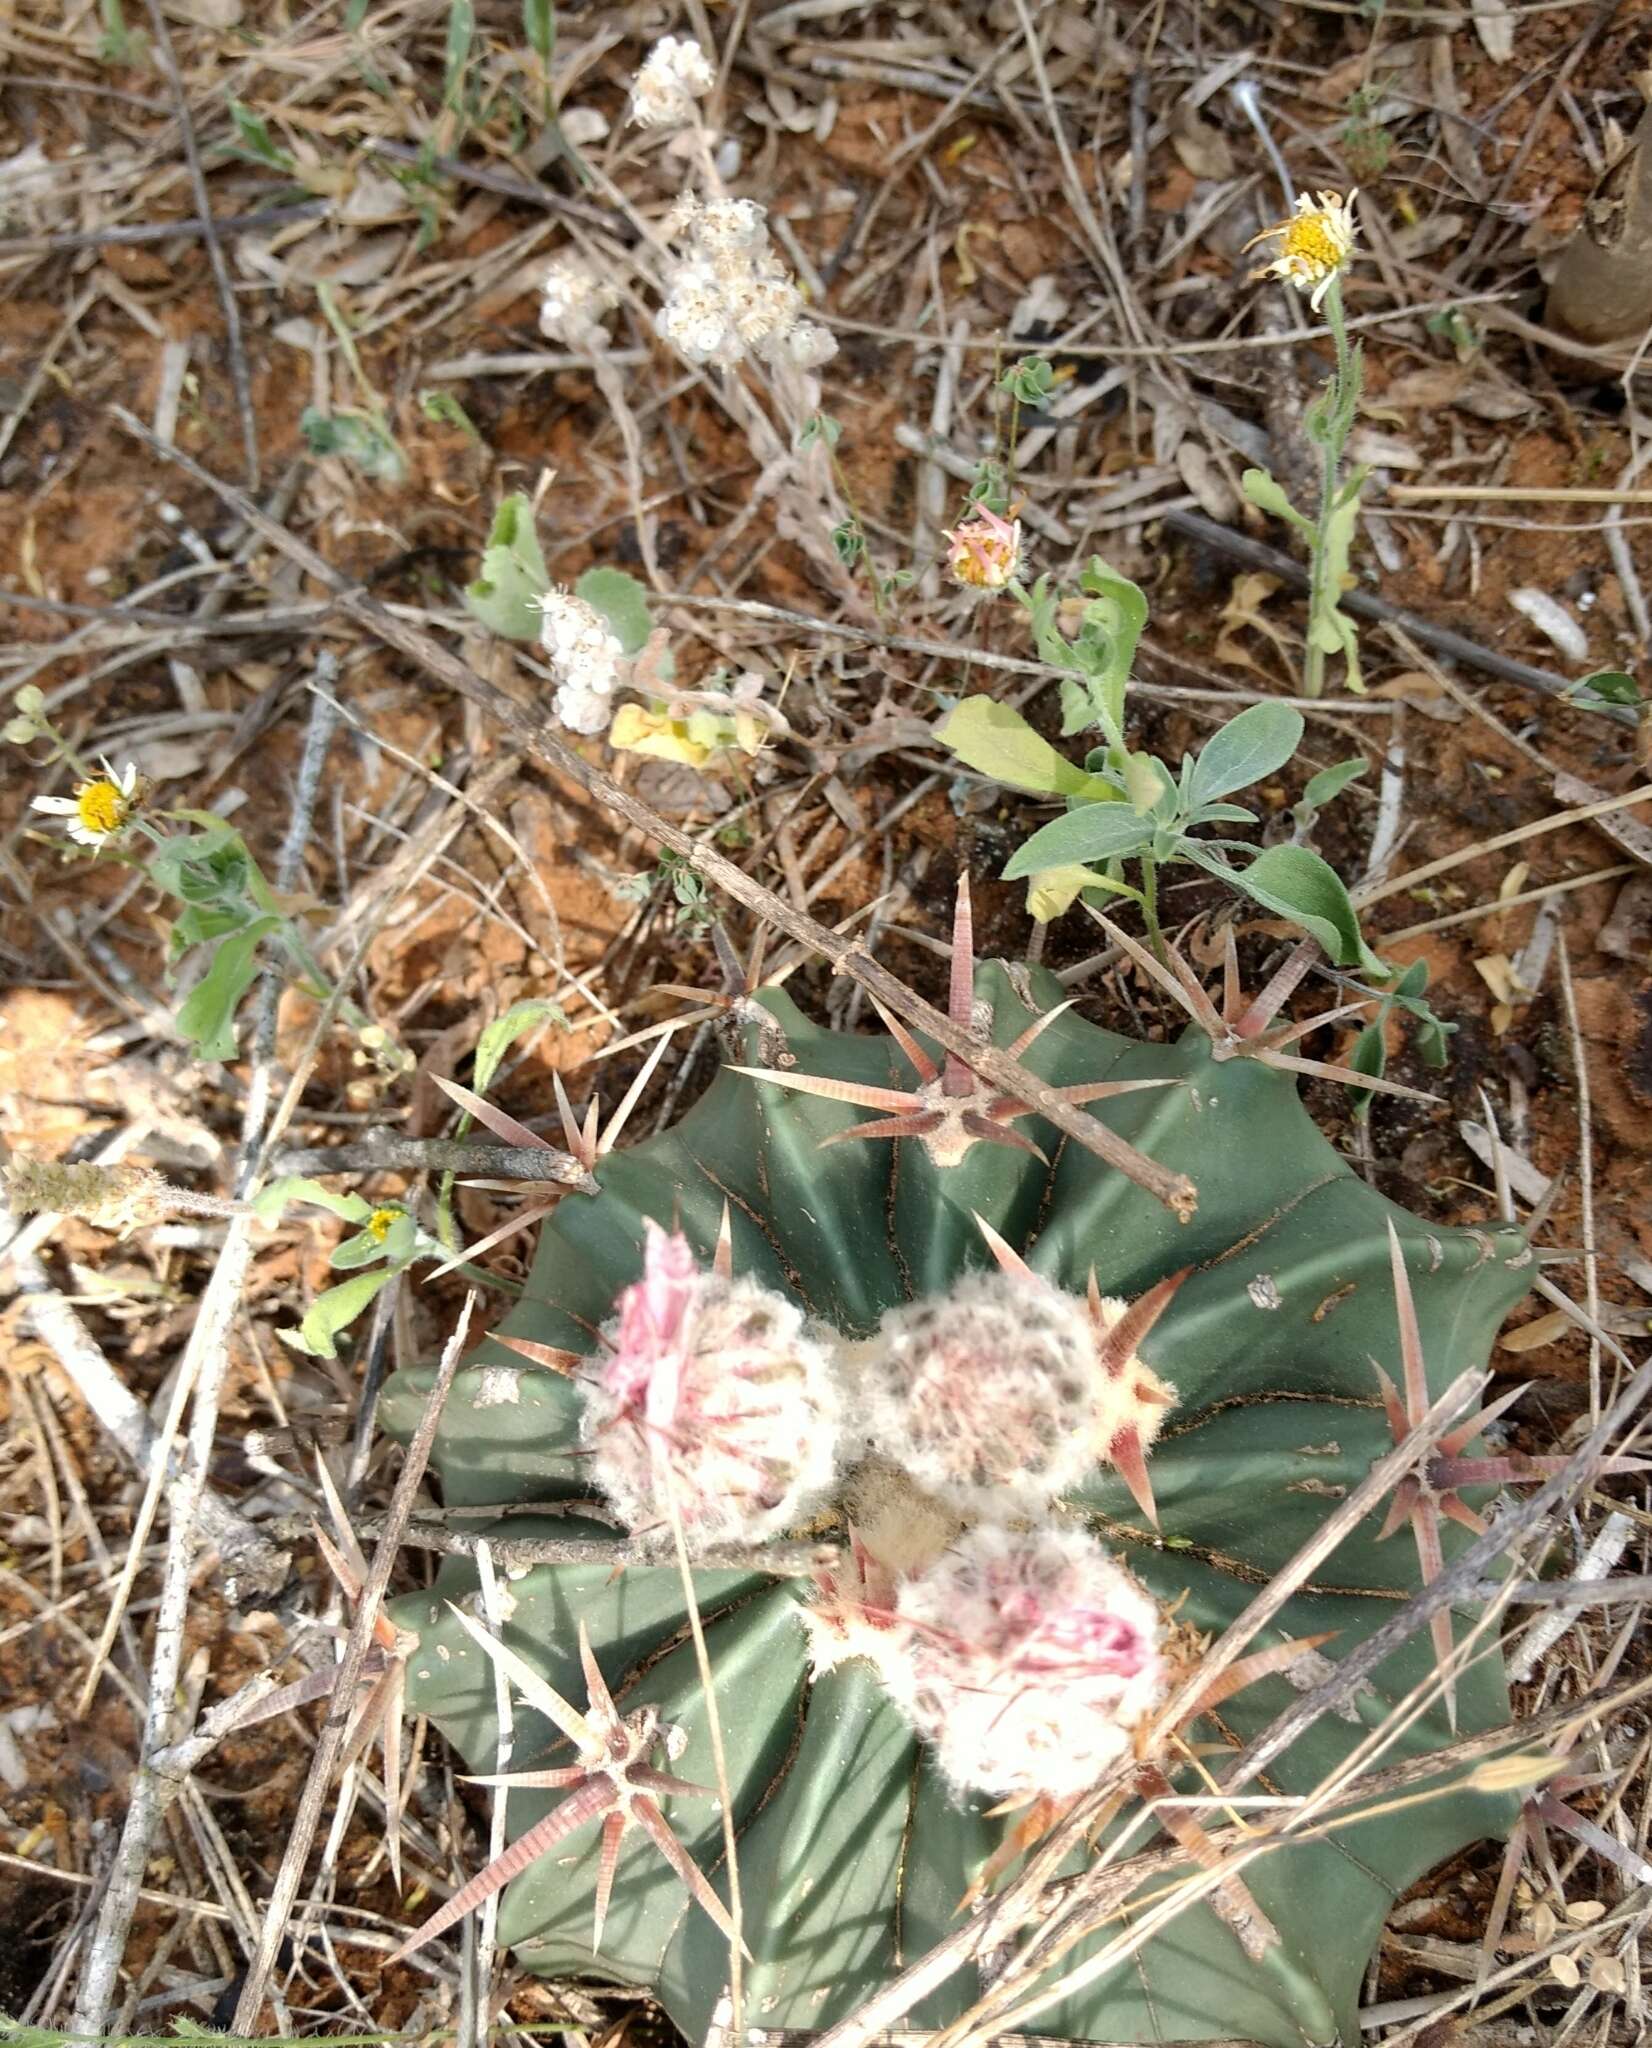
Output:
[[846, 955], [352, 1666], [387, 1152]]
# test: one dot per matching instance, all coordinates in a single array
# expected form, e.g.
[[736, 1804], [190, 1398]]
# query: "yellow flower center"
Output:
[[101, 807], [378, 1224], [1309, 241]]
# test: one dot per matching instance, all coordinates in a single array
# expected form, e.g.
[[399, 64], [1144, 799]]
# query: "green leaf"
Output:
[[539, 26], [1093, 832], [1268, 496], [444, 410], [1147, 785], [364, 1249], [1331, 782], [256, 140], [505, 597], [819, 426], [1611, 686], [622, 601], [1296, 883], [994, 739], [1108, 637], [1247, 749], [848, 541], [1078, 707], [364, 442], [461, 32], [498, 1037], [206, 1018], [335, 1311], [1029, 382], [1369, 1055], [268, 1204]]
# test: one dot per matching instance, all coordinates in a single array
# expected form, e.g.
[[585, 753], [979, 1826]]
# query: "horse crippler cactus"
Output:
[[1058, 1438]]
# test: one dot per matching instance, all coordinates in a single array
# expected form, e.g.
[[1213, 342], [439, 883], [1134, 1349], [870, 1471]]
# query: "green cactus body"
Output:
[[853, 1853]]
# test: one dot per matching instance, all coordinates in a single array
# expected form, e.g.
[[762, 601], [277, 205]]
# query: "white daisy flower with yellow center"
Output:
[[100, 809], [1315, 244]]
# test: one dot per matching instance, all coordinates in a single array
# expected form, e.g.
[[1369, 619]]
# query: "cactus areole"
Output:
[[982, 1369]]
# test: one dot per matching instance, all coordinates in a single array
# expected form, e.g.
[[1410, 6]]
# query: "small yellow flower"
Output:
[[100, 809], [378, 1226], [985, 553], [640, 730], [691, 739], [1315, 244]]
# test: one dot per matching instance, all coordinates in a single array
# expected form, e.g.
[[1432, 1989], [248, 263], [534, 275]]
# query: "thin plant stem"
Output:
[[1333, 439], [1150, 906]]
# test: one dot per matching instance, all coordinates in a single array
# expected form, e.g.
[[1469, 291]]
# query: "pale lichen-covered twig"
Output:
[[388, 1152]]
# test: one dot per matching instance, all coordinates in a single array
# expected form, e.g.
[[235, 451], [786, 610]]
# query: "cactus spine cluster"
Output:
[[954, 1356]]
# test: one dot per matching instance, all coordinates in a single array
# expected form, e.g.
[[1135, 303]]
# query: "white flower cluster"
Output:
[[575, 301], [677, 72], [585, 658], [729, 295]]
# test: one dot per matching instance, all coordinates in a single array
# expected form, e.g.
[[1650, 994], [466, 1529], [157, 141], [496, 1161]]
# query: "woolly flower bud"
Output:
[[723, 224], [677, 72], [713, 1390], [585, 658], [984, 1394], [113, 1197], [807, 345], [1033, 1658], [575, 301]]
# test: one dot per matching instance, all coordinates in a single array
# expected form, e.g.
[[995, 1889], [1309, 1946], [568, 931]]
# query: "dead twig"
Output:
[[319, 1781], [161, 230], [386, 1152], [166, 58]]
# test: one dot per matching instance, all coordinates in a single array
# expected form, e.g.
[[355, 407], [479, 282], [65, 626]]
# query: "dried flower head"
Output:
[[1033, 1658], [676, 73], [1315, 244], [985, 551], [729, 295], [100, 809], [112, 1197], [585, 656], [984, 1394], [713, 1389], [575, 302]]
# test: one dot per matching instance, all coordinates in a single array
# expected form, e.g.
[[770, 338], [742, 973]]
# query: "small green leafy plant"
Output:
[[1314, 248], [386, 1241], [1129, 808], [230, 922]]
